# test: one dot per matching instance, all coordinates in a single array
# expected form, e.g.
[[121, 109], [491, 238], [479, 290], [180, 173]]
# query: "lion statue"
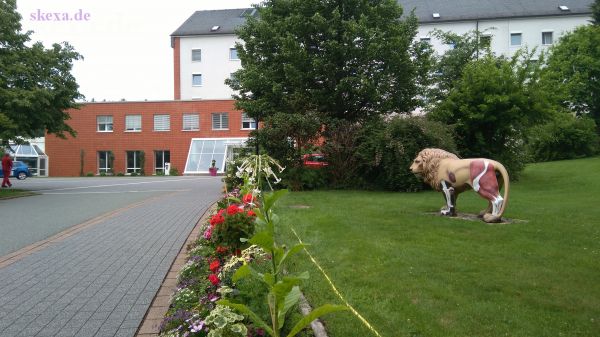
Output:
[[447, 173]]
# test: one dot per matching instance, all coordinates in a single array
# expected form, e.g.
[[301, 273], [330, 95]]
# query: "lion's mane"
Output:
[[431, 161]]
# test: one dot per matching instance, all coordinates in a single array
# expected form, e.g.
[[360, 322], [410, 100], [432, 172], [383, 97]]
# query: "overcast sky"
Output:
[[125, 43]]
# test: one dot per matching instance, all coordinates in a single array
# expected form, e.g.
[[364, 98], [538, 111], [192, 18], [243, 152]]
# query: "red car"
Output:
[[314, 160]]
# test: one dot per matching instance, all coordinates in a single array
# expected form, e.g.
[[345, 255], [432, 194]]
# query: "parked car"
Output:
[[20, 170], [314, 160]]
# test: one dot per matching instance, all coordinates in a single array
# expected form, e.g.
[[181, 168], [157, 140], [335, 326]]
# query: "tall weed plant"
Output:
[[258, 171]]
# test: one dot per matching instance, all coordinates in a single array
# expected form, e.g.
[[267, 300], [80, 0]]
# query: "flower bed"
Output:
[[234, 275]]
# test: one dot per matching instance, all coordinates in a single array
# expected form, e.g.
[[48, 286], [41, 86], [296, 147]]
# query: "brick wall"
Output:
[[65, 154]]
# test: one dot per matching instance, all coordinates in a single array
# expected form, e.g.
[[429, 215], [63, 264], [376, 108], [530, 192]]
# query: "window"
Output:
[[133, 123], [191, 122], [204, 150], [161, 157], [162, 122], [105, 162], [196, 55], [515, 39], [220, 121], [197, 80], [233, 54], [134, 161], [248, 122], [546, 38], [105, 123], [426, 40]]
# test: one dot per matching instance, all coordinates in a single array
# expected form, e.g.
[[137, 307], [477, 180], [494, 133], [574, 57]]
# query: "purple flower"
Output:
[[197, 326]]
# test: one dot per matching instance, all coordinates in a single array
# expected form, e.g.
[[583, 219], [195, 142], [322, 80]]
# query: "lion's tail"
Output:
[[498, 218], [506, 180]]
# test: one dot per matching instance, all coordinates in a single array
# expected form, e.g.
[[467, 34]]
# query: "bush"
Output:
[[300, 178], [173, 171], [387, 148], [236, 224], [90, 174], [566, 137]]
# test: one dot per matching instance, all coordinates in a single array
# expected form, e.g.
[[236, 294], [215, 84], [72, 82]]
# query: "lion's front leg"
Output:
[[450, 196]]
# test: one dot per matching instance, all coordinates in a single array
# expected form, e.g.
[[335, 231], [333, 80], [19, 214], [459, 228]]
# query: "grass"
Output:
[[410, 273], [9, 193]]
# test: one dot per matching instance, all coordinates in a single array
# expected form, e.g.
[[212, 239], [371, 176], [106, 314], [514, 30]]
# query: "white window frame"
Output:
[[197, 75], [106, 161], [105, 123], [136, 161], [520, 34], [162, 122], [248, 120], [221, 121], [199, 51], [133, 123], [162, 155], [551, 32], [231, 55], [191, 122]]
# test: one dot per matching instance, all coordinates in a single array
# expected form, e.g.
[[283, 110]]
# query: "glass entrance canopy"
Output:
[[204, 150], [33, 156]]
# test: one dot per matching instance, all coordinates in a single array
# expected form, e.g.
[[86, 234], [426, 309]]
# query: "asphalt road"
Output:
[[64, 202]]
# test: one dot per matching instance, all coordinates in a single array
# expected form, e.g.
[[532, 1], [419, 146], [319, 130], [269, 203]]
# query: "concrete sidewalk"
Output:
[[101, 280]]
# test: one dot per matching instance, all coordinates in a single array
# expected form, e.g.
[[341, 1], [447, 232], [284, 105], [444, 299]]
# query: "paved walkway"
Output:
[[101, 280]]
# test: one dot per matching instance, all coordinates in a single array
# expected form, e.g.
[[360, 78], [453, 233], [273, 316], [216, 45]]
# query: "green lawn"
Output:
[[9, 193], [410, 273]]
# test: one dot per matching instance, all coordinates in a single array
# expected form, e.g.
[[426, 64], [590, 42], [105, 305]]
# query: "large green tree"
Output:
[[36, 84], [492, 106], [596, 12], [446, 69], [344, 59], [573, 71]]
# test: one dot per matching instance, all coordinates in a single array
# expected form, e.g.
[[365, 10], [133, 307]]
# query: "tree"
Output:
[[492, 106], [346, 59], [596, 12], [448, 67], [573, 71], [36, 85]]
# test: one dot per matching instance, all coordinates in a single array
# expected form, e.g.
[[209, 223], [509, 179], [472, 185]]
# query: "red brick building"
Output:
[[128, 137]]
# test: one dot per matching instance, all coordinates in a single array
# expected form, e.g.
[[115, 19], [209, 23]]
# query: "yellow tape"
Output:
[[354, 312]]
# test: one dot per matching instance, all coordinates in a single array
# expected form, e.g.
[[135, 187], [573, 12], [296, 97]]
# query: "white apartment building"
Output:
[[204, 53]]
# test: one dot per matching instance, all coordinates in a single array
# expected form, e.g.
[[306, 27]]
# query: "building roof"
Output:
[[212, 22], [466, 10], [204, 22]]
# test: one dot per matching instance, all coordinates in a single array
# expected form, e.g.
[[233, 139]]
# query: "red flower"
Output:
[[221, 250], [233, 209], [216, 219], [251, 213], [214, 279], [214, 266], [221, 211], [248, 198]]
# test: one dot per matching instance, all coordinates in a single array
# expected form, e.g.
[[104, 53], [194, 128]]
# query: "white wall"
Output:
[[215, 66], [530, 28]]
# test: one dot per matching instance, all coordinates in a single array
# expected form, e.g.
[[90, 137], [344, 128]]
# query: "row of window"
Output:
[[197, 55], [197, 79], [516, 39], [133, 161], [191, 122]]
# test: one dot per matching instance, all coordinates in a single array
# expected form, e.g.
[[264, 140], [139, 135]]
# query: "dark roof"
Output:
[[460, 10], [201, 22]]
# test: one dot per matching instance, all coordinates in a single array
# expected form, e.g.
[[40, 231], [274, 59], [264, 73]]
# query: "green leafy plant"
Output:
[[283, 290], [223, 322]]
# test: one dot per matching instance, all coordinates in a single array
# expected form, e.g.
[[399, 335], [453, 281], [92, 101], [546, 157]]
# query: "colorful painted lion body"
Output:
[[447, 173]]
